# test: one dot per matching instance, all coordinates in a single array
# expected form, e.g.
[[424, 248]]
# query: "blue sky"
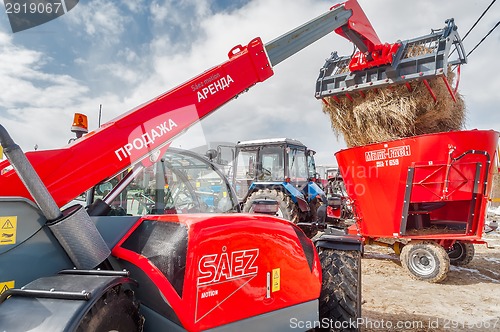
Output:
[[123, 53]]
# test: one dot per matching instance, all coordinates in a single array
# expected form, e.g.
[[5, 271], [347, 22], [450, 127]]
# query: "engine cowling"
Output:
[[211, 267]]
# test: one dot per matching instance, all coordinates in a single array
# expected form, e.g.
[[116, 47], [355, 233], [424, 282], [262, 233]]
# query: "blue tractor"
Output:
[[282, 170]]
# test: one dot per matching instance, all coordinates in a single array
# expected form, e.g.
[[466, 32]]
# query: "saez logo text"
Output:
[[227, 266]]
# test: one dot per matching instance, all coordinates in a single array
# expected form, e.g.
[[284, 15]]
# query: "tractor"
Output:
[[282, 170]]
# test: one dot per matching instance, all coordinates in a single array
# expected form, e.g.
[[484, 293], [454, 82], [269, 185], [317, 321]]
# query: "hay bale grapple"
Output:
[[380, 65]]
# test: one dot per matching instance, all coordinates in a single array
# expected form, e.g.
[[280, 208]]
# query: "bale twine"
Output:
[[396, 112]]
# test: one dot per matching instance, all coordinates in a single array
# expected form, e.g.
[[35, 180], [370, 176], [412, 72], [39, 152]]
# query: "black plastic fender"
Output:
[[56, 303], [338, 240]]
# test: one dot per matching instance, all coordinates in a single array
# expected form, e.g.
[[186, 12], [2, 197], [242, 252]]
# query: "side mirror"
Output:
[[104, 188], [211, 154], [311, 153]]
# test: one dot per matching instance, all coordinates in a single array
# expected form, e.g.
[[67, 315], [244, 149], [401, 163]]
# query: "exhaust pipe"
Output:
[[73, 227]]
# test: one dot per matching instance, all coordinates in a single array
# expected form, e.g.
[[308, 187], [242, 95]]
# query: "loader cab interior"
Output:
[[179, 182]]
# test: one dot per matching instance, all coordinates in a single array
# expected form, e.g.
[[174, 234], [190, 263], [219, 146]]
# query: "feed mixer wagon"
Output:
[[426, 195]]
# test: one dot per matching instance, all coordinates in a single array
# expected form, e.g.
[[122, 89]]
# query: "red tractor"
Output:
[[175, 265]]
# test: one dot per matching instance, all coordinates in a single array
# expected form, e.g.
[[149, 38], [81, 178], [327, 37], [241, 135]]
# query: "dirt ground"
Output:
[[468, 300]]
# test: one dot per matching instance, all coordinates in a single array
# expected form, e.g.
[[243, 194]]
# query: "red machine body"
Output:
[[372, 52], [379, 55], [133, 136], [432, 186], [191, 271], [230, 260], [144, 131]]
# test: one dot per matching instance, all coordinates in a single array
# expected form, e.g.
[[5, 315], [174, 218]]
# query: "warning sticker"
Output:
[[4, 286], [276, 280], [8, 228]]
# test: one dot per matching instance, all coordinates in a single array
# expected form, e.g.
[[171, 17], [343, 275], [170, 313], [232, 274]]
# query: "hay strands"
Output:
[[397, 111]]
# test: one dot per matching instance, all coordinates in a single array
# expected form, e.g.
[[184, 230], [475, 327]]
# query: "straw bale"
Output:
[[495, 192], [395, 112]]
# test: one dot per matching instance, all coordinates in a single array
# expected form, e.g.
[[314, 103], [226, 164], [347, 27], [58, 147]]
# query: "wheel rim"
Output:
[[422, 262], [456, 252]]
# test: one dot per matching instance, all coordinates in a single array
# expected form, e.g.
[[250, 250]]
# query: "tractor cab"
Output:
[[272, 160], [282, 169]]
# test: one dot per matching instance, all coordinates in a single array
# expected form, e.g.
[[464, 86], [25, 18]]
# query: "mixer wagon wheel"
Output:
[[425, 260], [340, 298], [461, 253], [117, 310], [287, 208]]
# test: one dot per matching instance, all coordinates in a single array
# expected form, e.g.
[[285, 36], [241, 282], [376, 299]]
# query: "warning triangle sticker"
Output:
[[4, 289], [7, 225]]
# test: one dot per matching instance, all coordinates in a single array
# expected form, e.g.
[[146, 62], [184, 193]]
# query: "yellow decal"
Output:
[[8, 227], [4, 286], [1, 152], [276, 280]]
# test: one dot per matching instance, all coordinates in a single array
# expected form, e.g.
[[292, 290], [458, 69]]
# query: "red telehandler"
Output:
[[87, 269]]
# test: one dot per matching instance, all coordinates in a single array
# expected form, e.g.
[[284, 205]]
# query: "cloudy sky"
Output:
[[123, 53]]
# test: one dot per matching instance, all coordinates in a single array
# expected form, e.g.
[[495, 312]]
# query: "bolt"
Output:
[[424, 260]]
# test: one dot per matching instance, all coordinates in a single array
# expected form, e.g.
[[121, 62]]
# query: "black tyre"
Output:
[[340, 299], [116, 310], [287, 208], [461, 253], [427, 261]]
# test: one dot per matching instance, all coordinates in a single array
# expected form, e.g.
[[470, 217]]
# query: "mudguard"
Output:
[[314, 190], [296, 196], [338, 240], [56, 303]]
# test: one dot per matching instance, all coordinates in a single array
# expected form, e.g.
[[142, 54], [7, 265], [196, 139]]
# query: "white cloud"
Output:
[[137, 6], [102, 21], [33, 101], [25, 84]]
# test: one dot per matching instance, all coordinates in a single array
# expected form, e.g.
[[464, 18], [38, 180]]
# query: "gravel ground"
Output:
[[467, 300]]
